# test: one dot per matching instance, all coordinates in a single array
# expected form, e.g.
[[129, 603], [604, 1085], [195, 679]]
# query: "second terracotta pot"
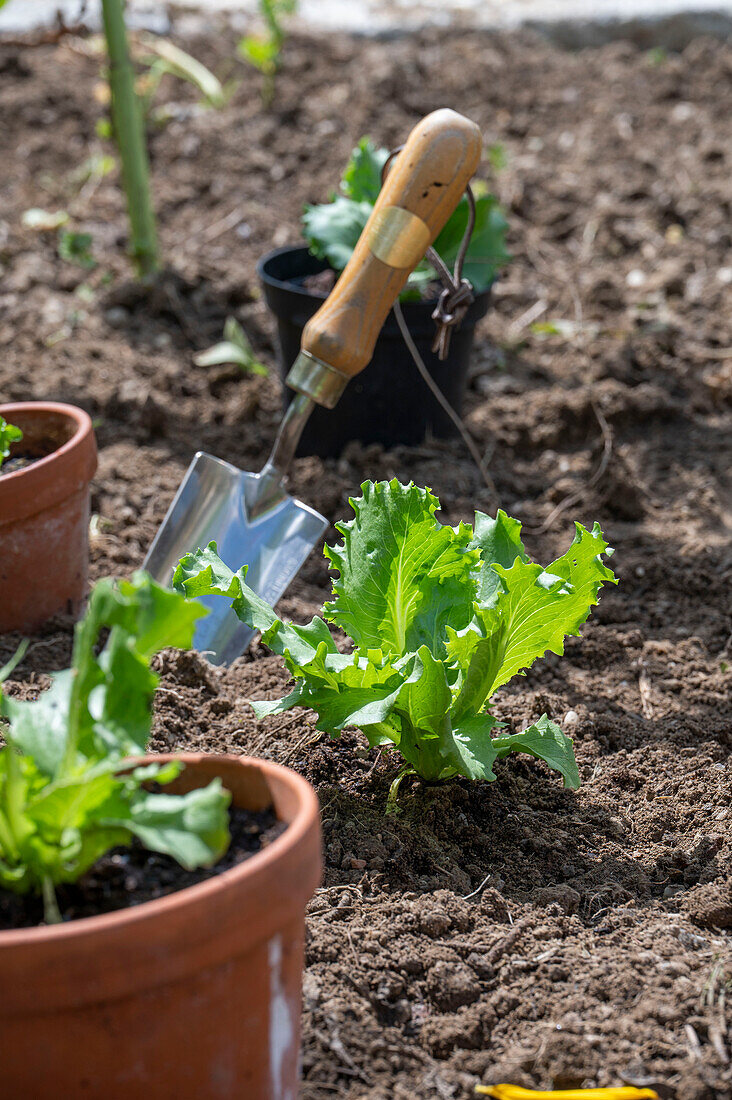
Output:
[[194, 996], [44, 515]]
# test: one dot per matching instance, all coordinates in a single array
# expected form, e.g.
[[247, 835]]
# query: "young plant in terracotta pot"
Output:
[[44, 512], [389, 403], [172, 888], [440, 618]]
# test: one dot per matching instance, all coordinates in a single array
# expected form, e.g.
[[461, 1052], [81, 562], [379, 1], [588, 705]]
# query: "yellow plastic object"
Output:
[[515, 1092]]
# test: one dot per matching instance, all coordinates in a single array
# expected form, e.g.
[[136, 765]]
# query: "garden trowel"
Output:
[[250, 516]]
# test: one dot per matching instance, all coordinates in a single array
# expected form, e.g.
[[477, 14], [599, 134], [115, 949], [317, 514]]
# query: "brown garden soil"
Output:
[[598, 949]]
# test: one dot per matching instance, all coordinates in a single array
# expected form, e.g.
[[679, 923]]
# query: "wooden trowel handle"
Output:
[[421, 190]]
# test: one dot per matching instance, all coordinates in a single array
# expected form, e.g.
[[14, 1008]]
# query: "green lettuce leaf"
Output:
[[540, 607], [202, 573], [544, 740], [499, 543], [9, 434], [440, 617], [487, 252], [471, 750], [394, 564], [192, 828], [332, 229], [362, 176], [66, 792], [40, 731]]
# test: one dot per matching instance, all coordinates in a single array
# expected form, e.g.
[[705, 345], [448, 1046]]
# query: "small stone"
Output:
[[482, 966], [116, 316], [310, 991], [358, 864], [434, 922], [710, 905], [682, 112], [563, 895], [571, 718], [452, 985], [672, 891], [688, 939], [411, 964]]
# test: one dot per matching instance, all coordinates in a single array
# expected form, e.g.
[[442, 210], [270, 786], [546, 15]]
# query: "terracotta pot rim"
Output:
[[57, 476], [257, 866], [83, 428]]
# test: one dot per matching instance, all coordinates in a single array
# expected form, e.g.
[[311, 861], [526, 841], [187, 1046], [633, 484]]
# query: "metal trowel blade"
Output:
[[270, 532]]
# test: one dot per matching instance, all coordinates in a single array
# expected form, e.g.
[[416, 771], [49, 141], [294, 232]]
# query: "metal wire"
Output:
[[457, 293], [451, 307], [442, 400]]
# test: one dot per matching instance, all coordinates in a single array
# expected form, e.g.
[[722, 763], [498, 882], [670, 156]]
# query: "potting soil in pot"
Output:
[[129, 876], [598, 950], [22, 460], [17, 462]]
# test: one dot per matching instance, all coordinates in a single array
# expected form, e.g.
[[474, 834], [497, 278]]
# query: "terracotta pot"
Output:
[[194, 996], [44, 515]]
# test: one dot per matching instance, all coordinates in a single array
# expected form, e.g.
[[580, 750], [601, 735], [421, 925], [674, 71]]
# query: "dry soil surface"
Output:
[[511, 931]]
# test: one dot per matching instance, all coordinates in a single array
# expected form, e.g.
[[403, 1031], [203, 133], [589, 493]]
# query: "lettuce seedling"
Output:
[[9, 434], [440, 617], [332, 229], [234, 348], [67, 791], [263, 50]]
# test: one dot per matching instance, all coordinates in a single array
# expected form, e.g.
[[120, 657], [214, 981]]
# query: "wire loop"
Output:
[[458, 293]]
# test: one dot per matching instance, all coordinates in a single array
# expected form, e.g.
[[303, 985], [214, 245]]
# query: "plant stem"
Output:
[[130, 136], [391, 802], [51, 911], [14, 661], [84, 634]]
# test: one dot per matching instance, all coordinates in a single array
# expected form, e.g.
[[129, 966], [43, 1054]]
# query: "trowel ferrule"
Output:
[[316, 379]]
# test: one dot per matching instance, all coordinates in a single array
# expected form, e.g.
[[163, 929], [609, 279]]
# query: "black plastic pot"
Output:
[[388, 402]]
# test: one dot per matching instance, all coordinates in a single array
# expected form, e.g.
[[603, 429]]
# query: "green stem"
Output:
[[11, 821], [8, 669], [73, 722], [130, 138], [391, 802], [51, 911], [268, 88], [86, 632], [8, 847]]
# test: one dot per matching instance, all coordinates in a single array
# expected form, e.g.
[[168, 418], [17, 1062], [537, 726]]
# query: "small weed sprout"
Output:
[[263, 50], [234, 348]]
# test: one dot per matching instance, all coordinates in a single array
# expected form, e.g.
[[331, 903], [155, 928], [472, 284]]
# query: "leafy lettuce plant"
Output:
[[9, 434], [67, 791], [440, 617], [333, 229]]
